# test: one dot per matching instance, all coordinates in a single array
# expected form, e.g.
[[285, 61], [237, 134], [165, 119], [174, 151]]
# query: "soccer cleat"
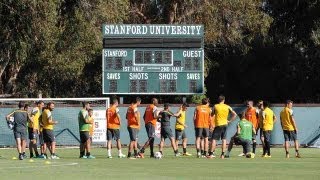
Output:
[[121, 156], [141, 155], [177, 154], [199, 155], [242, 154], [24, 156], [20, 157], [90, 157], [132, 157], [151, 156], [83, 157], [210, 156], [109, 157], [226, 156], [287, 156], [267, 156], [41, 156], [55, 157], [187, 154], [298, 156]]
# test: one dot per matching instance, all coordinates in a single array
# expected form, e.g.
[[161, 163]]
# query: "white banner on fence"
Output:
[[100, 126]]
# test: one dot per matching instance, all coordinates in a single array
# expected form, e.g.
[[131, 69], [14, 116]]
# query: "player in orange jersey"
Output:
[[201, 119], [133, 121], [251, 114], [150, 120], [113, 128]]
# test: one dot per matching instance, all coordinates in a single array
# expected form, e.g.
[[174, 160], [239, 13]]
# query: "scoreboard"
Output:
[[152, 59]]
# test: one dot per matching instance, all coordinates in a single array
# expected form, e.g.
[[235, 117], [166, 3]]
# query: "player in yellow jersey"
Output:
[[180, 128], [48, 126], [33, 128], [268, 120], [220, 117], [289, 128], [90, 113]]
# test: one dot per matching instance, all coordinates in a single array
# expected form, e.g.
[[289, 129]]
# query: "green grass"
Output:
[[170, 167]]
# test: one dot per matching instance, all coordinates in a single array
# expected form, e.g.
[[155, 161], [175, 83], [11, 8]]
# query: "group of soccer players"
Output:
[[210, 125], [38, 124]]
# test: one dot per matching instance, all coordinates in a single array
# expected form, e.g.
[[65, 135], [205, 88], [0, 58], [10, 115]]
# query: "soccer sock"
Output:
[[81, 153], [222, 153], [120, 151], [184, 150], [202, 152], [31, 155], [142, 150], [254, 145], [268, 148], [161, 152], [176, 151], [109, 152], [135, 152], [297, 151], [205, 153], [88, 154], [210, 153], [151, 145], [129, 154], [37, 154]]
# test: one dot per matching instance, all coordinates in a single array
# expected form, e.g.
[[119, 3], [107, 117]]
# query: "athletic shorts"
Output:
[[290, 135], [84, 136], [113, 134], [219, 132], [32, 135], [21, 133], [210, 135], [48, 136], [202, 132], [41, 140], [150, 130], [267, 135], [166, 132], [180, 134], [133, 133]]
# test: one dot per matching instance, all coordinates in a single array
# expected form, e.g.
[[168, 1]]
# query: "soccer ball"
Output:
[[250, 155], [158, 155]]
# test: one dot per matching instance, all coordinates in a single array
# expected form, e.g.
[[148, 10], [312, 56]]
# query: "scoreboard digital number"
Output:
[[153, 59]]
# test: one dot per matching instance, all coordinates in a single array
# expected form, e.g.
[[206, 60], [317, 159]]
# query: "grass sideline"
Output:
[[170, 167]]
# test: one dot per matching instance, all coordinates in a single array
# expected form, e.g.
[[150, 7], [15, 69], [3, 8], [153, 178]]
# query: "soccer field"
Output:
[[169, 167]]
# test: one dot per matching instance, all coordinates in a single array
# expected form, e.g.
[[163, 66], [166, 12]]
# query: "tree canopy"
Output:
[[254, 49]]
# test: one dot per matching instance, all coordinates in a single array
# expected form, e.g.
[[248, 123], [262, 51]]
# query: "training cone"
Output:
[[31, 160], [14, 158]]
